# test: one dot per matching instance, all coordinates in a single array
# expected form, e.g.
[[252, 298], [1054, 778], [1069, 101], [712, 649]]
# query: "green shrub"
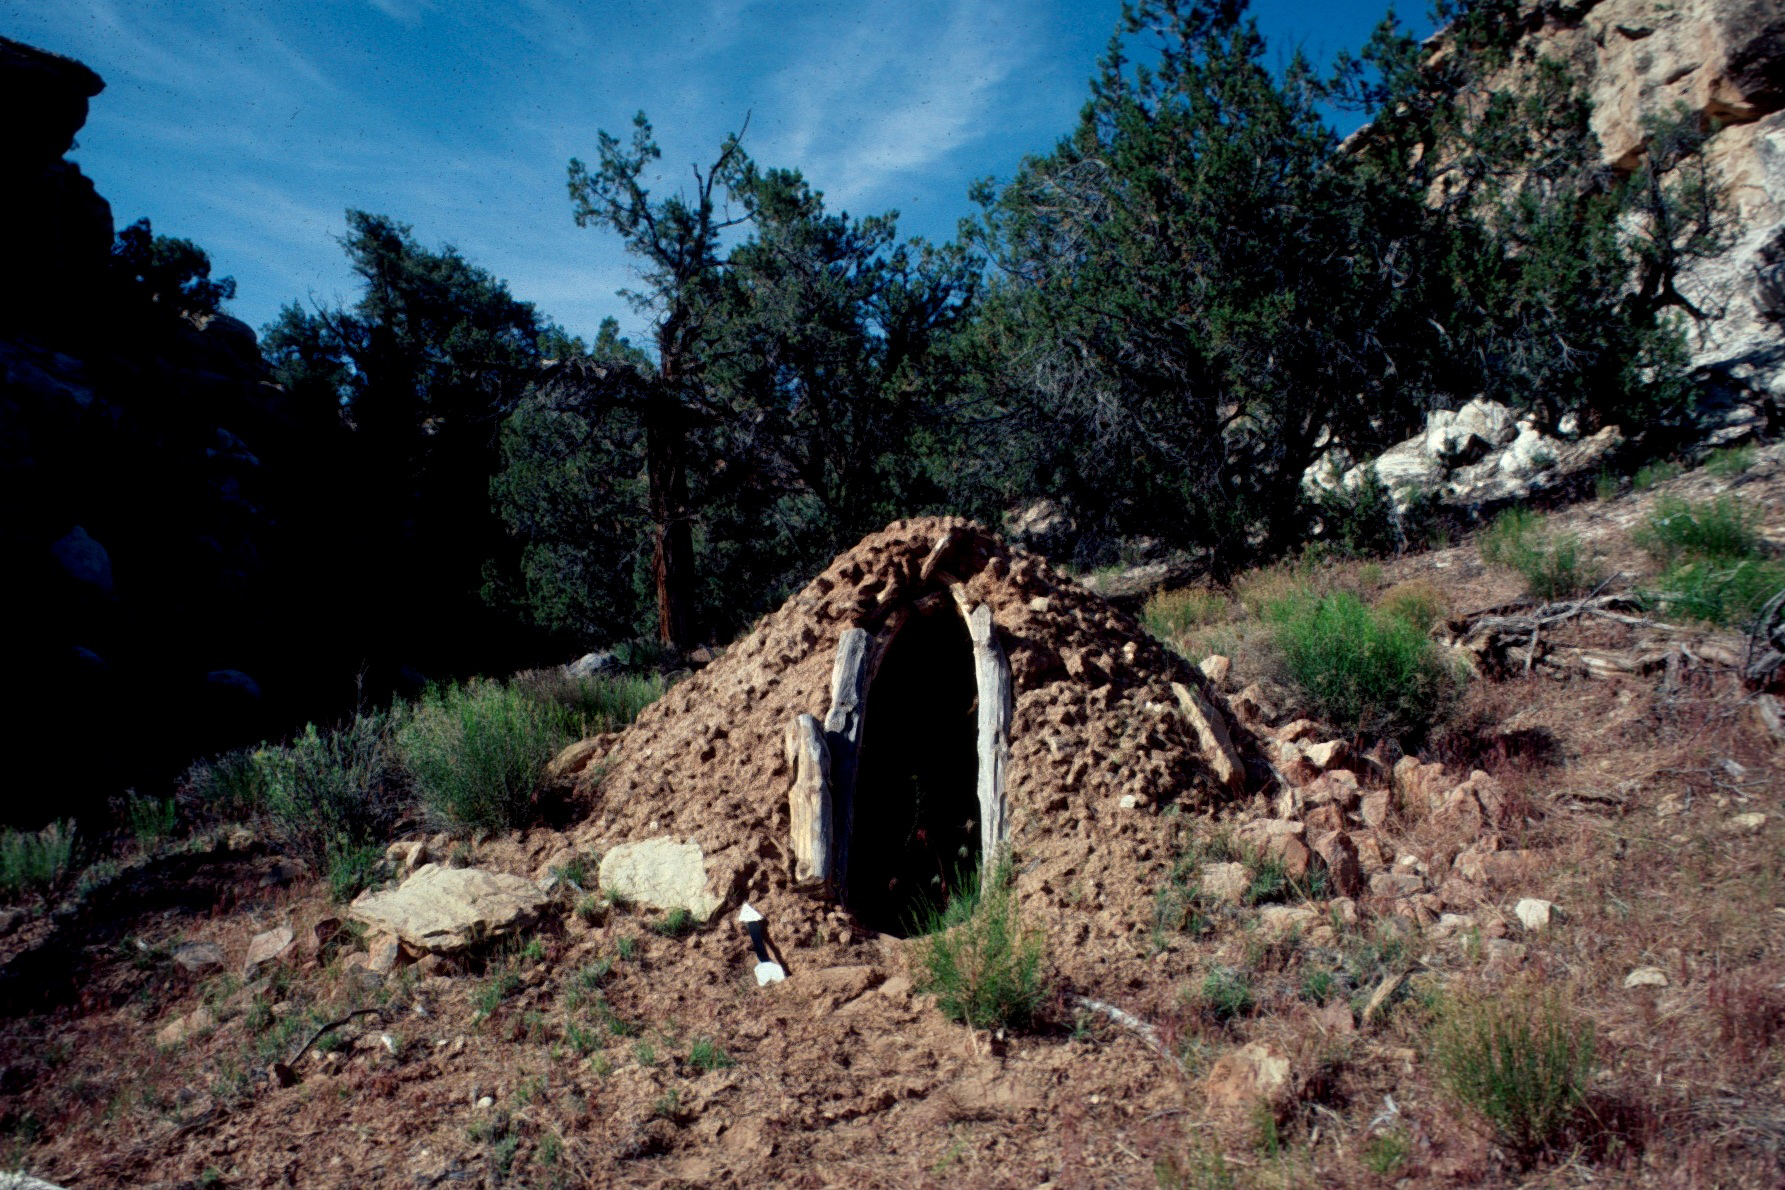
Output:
[[1552, 567], [1226, 993], [332, 797], [1654, 474], [1719, 530], [36, 861], [232, 786], [1716, 593], [150, 819], [1730, 461], [1365, 671], [1717, 568], [1521, 1061], [986, 965], [590, 705], [675, 923], [1173, 613], [1361, 522], [477, 752], [1607, 486]]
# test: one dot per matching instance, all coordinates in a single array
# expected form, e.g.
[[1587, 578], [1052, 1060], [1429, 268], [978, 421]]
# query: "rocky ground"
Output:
[[1609, 835]]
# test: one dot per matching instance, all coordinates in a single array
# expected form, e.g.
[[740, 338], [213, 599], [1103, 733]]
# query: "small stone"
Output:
[[1747, 824], [1127, 801], [1646, 977], [1535, 914], [1328, 755], [1226, 882], [1376, 807], [486, 1103], [195, 958], [407, 855], [266, 947], [383, 954], [1503, 954], [185, 1028], [1215, 668], [1257, 1072], [1339, 854], [1276, 922]]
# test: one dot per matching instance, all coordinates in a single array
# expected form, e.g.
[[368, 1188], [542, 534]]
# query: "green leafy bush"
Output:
[[705, 1054], [1173, 613], [1553, 567], [986, 965], [476, 752], [1655, 474], [1522, 1061], [1365, 671], [1226, 993], [36, 861], [331, 797], [1418, 602]]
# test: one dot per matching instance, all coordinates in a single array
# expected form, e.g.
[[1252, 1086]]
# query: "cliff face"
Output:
[[1723, 60], [70, 226], [154, 492]]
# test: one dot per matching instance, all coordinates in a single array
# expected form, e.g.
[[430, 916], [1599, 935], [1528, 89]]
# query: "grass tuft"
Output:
[[1553, 567], [332, 797], [1173, 613], [1521, 1061], [986, 964], [1717, 568]]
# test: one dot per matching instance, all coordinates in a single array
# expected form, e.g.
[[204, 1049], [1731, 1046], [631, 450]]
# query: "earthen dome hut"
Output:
[[931, 701]]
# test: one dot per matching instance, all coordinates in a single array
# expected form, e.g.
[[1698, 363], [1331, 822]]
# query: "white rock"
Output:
[[1646, 977], [1127, 801], [1536, 914], [662, 874]]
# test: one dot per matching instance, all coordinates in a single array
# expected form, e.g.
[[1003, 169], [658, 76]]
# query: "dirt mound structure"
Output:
[[927, 775]]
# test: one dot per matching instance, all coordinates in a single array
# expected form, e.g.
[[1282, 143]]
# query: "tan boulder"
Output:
[[447, 909], [1216, 669], [179, 1031]]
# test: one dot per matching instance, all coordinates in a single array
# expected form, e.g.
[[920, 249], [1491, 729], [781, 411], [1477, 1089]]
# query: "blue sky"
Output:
[[252, 128]]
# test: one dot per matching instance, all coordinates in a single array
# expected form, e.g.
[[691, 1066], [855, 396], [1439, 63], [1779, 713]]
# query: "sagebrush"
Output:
[[1521, 1061], [476, 752], [1365, 671]]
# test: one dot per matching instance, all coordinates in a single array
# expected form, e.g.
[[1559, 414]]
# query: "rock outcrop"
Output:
[[1722, 61], [1478, 457]]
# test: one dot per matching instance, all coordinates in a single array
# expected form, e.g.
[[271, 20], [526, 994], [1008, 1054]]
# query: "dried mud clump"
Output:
[[1098, 743]]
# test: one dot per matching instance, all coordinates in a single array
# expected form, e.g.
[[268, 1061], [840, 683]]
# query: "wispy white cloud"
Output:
[[893, 98]]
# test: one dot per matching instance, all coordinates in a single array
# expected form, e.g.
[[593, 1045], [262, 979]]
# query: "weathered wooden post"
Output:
[[991, 673], [843, 737], [809, 800]]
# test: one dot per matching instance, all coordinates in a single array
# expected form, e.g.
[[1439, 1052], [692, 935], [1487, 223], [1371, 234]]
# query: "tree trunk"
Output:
[[672, 555]]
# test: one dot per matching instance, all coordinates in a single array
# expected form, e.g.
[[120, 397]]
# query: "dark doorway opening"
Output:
[[914, 837]]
